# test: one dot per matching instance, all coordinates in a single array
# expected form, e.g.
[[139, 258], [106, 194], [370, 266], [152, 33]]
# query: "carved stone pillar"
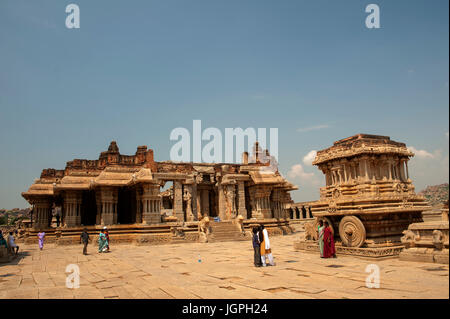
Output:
[[407, 171], [230, 201], [344, 168], [72, 208], [178, 201], [401, 170], [389, 163], [242, 210], [138, 206], [199, 204], [366, 168], [194, 201], [187, 197], [260, 199], [98, 217], [277, 206], [221, 202], [151, 204], [42, 212], [108, 199]]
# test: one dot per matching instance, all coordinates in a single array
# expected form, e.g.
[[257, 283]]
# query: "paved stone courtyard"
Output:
[[225, 271]]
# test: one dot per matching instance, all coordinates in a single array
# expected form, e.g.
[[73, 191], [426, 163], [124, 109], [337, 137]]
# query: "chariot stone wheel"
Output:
[[352, 231]]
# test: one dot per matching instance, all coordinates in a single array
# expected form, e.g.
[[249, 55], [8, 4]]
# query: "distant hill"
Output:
[[436, 194], [10, 216]]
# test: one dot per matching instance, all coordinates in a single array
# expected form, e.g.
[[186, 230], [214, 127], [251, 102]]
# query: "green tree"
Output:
[[4, 219]]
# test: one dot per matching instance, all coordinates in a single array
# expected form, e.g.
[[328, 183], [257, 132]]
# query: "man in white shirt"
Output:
[[12, 244]]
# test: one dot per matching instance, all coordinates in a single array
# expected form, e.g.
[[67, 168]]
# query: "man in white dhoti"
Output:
[[265, 247]]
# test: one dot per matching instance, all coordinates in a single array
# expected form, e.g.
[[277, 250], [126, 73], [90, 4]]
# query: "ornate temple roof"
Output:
[[361, 144], [117, 170]]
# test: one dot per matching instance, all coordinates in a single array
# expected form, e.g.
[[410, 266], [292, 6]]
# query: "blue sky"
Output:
[[135, 70]]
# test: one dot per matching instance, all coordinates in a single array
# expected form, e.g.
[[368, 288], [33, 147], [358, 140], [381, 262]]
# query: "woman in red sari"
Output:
[[328, 242]]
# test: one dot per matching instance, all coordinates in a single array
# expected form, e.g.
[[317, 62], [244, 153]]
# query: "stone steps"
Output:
[[225, 231]]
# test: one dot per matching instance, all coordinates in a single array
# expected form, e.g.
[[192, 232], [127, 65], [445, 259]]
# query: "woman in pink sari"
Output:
[[41, 236], [328, 242]]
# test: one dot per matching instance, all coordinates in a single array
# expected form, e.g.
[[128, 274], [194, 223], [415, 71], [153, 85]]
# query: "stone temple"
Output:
[[368, 197], [125, 193]]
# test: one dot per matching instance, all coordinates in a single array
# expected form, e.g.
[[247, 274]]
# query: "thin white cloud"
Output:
[[420, 153], [313, 128], [297, 171], [309, 158]]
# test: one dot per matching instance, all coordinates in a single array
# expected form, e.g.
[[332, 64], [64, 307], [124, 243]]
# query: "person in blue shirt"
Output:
[[2, 240]]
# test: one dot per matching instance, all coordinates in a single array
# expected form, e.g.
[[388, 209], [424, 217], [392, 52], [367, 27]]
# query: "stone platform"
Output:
[[369, 252], [427, 242], [165, 233], [215, 270]]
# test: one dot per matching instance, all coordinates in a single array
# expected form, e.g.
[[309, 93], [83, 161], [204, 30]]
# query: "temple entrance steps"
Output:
[[225, 231]]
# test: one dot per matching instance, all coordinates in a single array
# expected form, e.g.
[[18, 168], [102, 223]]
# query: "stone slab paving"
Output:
[[213, 270]]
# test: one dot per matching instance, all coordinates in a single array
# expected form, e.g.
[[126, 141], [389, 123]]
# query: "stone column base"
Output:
[[73, 221], [108, 219], [151, 218]]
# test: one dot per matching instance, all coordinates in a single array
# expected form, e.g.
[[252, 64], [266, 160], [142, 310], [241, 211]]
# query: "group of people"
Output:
[[326, 240], [103, 240], [9, 243], [261, 247]]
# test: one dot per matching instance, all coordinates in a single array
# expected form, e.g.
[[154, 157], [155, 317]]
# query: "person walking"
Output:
[[265, 247], [58, 215], [41, 236], [320, 231], [107, 237], [256, 248], [84, 238], [102, 242], [328, 242]]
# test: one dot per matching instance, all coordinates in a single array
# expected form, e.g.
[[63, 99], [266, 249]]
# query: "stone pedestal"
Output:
[[426, 242]]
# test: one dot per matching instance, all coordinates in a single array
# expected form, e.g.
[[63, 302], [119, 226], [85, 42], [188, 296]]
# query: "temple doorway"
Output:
[[88, 208], [126, 206]]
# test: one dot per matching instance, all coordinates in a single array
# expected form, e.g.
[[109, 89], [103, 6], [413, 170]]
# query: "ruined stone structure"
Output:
[[427, 241], [300, 211], [368, 197], [121, 189]]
